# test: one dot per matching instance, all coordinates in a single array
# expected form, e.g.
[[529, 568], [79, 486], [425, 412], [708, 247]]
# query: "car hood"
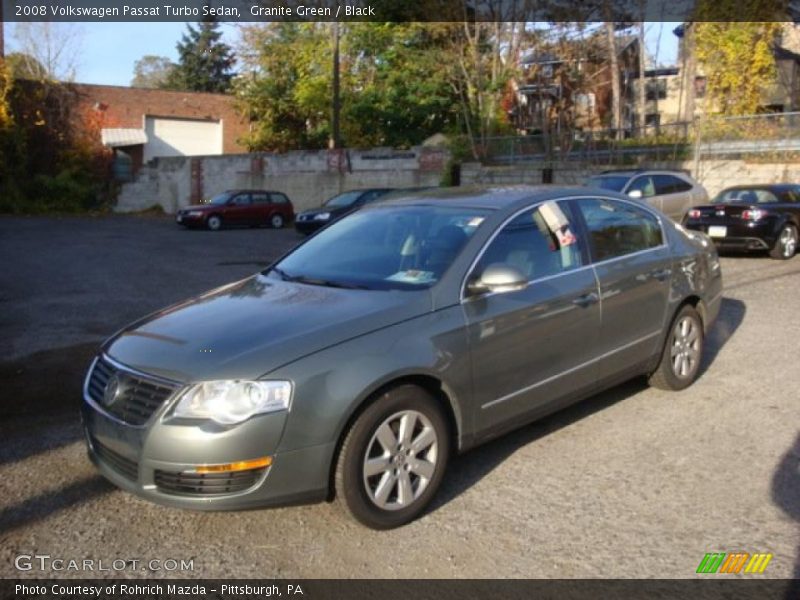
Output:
[[251, 327]]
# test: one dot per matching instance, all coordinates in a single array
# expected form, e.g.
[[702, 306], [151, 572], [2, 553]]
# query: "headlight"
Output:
[[229, 402], [322, 216], [195, 213]]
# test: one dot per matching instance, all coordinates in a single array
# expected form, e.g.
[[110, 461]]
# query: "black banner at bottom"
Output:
[[399, 589]]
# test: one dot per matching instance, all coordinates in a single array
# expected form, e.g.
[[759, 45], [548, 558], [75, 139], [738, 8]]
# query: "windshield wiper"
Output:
[[282, 274], [328, 283]]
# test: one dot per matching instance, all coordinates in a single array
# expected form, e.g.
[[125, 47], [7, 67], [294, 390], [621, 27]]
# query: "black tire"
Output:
[[786, 245], [360, 493], [276, 221], [670, 374], [214, 222]]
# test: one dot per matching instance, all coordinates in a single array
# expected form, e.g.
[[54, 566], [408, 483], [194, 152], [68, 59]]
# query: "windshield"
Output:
[[345, 199], [745, 196], [408, 247], [220, 198], [615, 183]]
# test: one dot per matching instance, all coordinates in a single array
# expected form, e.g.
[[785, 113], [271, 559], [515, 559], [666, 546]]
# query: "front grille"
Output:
[[137, 398], [206, 484], [124, 466]]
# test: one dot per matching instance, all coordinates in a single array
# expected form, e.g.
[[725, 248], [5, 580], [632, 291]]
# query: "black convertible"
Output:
[[754, 217]]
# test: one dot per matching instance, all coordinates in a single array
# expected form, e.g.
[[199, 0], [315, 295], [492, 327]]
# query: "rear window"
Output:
[[615, 183], [745, 196]]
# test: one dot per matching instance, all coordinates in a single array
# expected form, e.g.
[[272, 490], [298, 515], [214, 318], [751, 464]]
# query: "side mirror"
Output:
[[499, 278], [635, 194]]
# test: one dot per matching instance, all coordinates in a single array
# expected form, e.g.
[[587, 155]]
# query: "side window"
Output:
[[539, 242], [370, 196], [260, 198], [241, 200], [669, 184], [279, 198], [618, 228], [645, 185]]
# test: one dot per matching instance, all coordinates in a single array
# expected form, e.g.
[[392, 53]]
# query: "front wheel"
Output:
[[786, 244], [683, 350], [214, 223], [393, 458]]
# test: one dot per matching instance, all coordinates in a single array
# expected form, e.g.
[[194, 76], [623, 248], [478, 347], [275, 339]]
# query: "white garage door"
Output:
[[181, 137]]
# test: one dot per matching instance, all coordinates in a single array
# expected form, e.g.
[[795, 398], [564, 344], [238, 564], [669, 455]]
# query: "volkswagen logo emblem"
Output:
[[112, 390]]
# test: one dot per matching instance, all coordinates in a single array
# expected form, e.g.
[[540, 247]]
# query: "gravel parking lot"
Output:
[[635, 482]]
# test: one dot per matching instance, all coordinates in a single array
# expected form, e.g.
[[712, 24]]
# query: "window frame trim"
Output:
[[587, 254]]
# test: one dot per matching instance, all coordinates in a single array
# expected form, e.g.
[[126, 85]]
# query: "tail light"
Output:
[[753, 214], [695, 214]]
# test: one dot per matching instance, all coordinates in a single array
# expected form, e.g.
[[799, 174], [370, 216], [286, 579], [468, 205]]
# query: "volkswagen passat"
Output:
[[363, 359]]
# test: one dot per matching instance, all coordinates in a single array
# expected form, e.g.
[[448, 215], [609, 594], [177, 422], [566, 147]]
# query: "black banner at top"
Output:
[[399, 10]]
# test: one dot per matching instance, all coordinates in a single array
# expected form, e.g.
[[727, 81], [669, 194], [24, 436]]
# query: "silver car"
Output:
[[672, 192], [359, 362]]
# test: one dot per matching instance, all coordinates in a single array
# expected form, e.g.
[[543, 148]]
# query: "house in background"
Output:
[[143, 124]]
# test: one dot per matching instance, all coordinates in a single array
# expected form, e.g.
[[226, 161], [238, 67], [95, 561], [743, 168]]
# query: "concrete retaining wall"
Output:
[[308, 178], [713, 174]]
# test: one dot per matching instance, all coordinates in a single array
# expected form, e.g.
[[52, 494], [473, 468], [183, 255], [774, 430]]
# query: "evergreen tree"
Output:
[[205, 63]]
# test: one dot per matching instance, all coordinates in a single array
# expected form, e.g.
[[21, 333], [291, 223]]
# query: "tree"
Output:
[[48, 50], [205, 63], [152, 71], [738, 62], [23, 66]]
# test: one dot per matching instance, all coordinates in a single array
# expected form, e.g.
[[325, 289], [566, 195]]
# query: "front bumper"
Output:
[[189, 220], [156, 460], [308, 227]]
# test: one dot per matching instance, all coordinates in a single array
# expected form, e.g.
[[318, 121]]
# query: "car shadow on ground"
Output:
[[40, 507], [468, 469], [786, 495], [731, 315]]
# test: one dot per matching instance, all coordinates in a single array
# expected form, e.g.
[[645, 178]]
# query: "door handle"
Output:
[[586, 299], [661, 274]]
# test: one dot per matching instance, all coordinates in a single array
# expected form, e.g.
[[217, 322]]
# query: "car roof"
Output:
[[763, 186], [491, 197], [240, 190], [631, 172]]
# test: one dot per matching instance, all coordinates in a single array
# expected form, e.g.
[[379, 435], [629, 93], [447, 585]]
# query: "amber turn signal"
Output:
[[242, 465]]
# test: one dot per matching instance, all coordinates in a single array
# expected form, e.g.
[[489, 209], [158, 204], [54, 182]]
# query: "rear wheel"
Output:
[[683, 350], [214, 223], [393, 458], [786, 244], [276, 221]]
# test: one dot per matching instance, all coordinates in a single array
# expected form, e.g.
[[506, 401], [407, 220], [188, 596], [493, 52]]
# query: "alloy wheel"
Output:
[[400, 460], [789, 241], [685, 351]]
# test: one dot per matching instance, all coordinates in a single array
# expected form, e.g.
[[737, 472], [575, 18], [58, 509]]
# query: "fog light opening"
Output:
[[242, 465]]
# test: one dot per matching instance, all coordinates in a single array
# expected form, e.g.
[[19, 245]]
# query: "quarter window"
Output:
[[618, 228], [539, 242], [669, 184], [279, 198]]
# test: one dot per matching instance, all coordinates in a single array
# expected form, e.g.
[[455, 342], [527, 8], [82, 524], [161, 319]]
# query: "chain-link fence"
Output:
[[765, 137]]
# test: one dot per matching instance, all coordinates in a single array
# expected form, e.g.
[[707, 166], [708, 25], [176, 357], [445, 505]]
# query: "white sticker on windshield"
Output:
[[412, 276], [475, 221]]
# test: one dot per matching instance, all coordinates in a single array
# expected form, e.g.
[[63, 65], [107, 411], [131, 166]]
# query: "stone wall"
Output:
[[308, 178], [714, 175]]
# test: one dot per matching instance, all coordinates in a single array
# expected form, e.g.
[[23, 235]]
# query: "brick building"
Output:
[[142, 124]]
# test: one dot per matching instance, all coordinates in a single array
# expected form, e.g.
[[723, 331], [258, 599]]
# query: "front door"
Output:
[[237, 212], [533, 347]]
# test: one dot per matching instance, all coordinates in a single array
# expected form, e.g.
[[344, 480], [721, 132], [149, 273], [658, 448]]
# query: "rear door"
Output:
[[533, 347], [261, 209], [633, 265], [675, 195]]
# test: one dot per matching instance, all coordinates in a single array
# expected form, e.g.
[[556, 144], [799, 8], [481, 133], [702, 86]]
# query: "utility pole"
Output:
[[336, 104]]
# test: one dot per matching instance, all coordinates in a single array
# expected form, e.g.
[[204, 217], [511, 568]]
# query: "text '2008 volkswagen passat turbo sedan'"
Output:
[[358, 363]]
